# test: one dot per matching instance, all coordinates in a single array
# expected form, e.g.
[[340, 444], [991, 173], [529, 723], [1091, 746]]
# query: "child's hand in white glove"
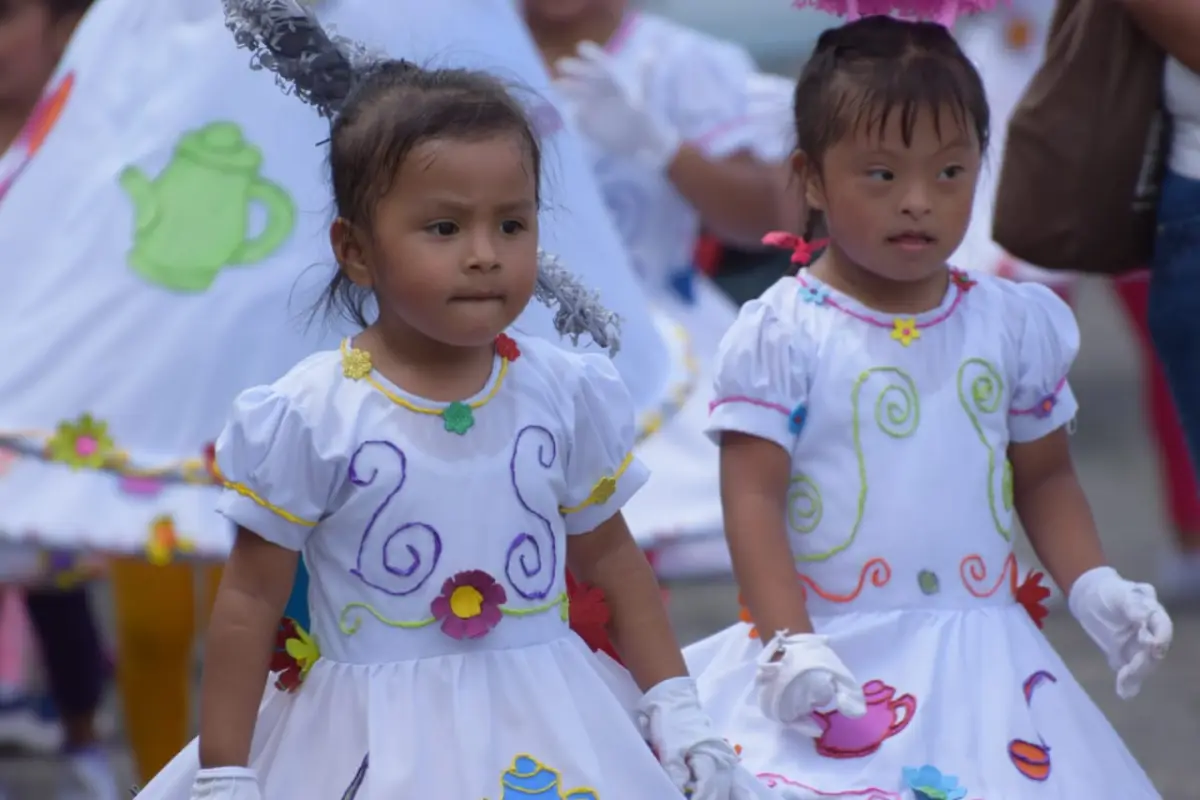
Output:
[[699, 761], [1126, 622], [226, 783], [799, 674], [614, 112]]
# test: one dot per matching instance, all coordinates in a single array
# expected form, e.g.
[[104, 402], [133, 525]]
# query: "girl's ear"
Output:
[[350, 252], [814, 195]]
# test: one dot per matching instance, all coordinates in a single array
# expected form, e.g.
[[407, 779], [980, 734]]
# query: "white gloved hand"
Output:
[[226, 783], [1126, 622], [695, 758], [612, 111], [799, 674]]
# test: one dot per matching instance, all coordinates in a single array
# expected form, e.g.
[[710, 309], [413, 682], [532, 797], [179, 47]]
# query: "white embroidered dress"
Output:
[[415, 535], [900, 517]]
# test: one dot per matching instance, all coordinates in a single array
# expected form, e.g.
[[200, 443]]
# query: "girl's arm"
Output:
[[241, 635], [1173, 24], [755, 474], [1053, 508], [609, 559]]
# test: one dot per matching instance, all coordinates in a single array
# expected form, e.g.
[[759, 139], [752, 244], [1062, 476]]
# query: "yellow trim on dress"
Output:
[[357, 366], [602, 490], [248, 493]]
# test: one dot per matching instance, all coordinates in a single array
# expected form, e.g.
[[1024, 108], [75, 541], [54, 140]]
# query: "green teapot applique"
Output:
[[193, 220]]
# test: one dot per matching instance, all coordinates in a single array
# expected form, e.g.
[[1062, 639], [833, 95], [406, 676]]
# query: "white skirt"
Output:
[[979, 695], [678, 513], [547, 721]]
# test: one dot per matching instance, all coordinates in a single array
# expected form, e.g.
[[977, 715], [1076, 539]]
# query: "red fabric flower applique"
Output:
[[962, 280], [295, 653], [210, 462], [506, 348], [590, 616], [469, 605], [744, 616], [802, 251], [1033, 595]]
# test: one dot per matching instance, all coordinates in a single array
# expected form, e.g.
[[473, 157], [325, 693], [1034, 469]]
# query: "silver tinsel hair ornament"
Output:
[[323, 70]]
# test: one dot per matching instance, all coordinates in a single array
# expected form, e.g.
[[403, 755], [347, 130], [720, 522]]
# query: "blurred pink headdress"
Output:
[[943, 11]]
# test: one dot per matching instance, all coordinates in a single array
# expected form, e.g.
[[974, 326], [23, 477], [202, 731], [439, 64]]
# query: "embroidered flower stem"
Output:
[[897, 413], [980, 395]]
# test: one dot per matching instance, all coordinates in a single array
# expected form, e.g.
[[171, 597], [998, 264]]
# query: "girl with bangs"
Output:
[[883, 420]]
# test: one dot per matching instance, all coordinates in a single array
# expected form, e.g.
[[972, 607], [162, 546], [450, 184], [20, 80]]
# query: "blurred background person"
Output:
[[1007, 46], [33, 36], [1175, 269], [664, 112]]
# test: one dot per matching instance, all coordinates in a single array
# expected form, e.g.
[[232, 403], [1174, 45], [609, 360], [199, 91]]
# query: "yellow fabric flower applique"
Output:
[[164, 542], [356, 364], [905, 330], [82, 443]]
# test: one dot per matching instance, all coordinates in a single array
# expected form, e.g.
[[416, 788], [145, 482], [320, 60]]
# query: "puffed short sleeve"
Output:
[[1047, 343], [602, 472], [708, 98], [760, 385], [275, 482]]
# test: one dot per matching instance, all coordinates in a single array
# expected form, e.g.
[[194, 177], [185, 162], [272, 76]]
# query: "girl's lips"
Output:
[[911, 241]]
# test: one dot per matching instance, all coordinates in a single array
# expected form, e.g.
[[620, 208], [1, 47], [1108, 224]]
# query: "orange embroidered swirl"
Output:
[[878, 569], [974, 573]]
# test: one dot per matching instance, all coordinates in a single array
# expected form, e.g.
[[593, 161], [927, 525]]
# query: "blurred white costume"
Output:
[[189, 202]]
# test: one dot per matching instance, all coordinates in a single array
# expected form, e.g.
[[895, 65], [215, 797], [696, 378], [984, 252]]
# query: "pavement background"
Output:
[[1120, 474]]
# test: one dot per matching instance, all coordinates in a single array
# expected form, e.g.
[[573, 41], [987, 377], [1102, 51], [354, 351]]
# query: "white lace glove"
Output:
[[695, 758], [807, 677], [1126, 622], [226, 783], [613, 111]]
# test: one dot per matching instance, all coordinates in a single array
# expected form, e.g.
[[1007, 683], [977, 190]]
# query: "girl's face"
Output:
[[31, 42], [899, 211], [453, 254]]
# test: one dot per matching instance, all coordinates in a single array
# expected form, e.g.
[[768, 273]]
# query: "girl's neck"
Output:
[[424, 366], [556, 41], [837, 270]]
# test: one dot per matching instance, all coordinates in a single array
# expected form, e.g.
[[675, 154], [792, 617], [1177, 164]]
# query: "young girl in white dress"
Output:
[[438, 475], [881, 417]]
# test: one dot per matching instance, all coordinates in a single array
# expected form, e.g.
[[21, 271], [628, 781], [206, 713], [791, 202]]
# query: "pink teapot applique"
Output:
[[848, 737]]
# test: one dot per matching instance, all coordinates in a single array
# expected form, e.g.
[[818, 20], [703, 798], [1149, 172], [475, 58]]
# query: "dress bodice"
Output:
[[432, 528], [898, 428]]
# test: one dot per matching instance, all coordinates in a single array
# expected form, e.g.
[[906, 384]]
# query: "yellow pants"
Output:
[[158, 615]]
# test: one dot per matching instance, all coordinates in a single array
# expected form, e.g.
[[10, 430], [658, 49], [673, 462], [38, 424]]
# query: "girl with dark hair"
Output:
[[440, 663], [881, 417]]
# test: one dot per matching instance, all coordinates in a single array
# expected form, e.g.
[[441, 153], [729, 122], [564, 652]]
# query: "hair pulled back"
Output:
[[863, 72]]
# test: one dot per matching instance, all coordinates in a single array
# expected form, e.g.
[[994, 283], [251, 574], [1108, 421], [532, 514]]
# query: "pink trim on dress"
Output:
[[737, 398], [1043, 407], [959, 291]]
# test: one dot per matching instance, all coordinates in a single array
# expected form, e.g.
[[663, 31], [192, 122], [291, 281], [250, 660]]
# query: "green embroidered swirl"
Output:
[[980, 395], [805, 507], [897, 413]]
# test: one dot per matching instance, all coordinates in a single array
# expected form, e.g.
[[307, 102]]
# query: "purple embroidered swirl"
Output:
[[525, 544], [414, 571]]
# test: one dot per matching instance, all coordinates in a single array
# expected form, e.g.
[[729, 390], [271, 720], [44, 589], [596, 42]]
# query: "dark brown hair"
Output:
[[395, 107], [864, 71]]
